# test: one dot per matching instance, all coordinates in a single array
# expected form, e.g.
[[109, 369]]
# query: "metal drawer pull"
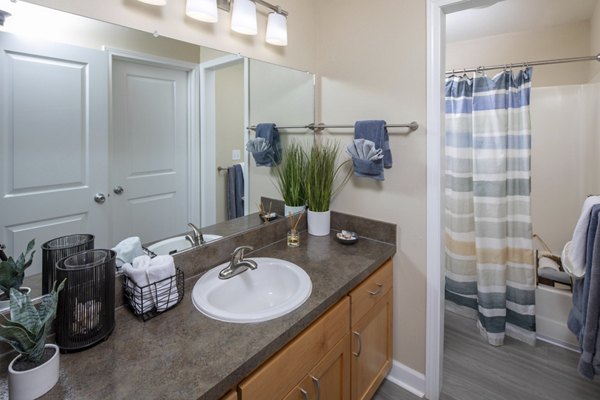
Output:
[[318, 386], [359, 344], [304, 394], [376, 291]]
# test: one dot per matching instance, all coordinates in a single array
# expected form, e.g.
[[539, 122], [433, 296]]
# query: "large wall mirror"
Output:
[[115, 132]]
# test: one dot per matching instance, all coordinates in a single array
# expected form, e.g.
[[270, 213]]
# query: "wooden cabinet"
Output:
[[286, 369], [371, 305], [330, 379], [344, 355]]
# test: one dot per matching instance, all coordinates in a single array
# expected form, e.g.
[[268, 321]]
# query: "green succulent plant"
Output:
[[28, 326], [12, 271]]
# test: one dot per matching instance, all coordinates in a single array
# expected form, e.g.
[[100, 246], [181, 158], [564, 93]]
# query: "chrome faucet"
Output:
[[238, 263], [197, 238]]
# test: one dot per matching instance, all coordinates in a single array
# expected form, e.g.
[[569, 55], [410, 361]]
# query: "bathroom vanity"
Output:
[[338, 341]]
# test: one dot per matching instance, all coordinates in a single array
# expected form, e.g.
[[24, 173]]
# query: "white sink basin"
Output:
[[274, 289], [177, 244]]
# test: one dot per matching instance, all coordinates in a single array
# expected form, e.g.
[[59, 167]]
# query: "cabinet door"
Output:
[[230, 396], [330, 379], [372, 348], [274, 379]]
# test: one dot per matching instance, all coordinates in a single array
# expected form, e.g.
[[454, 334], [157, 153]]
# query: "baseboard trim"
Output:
[[407, 378]]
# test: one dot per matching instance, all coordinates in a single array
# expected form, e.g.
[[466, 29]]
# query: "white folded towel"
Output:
[[128, 249], [142, 300], [165, 293], [576, 254]]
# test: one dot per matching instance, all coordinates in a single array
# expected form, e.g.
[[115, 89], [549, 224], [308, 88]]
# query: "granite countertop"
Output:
[[184, 354]]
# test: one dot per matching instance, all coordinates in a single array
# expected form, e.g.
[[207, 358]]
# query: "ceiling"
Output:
[[516, 16]]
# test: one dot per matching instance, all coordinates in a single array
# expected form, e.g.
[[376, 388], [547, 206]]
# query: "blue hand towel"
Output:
[[235, 192], [366, 159], [376, 132], [270, 134]]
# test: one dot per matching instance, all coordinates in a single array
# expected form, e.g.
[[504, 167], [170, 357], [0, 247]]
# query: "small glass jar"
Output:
[[293, 238]]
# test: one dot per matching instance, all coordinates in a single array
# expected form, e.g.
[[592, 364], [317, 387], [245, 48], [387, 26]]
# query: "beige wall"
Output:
[[595, 43], [171, 21], [571, 40], [284, 97], [564, 158], [371, 62], [229, 106]]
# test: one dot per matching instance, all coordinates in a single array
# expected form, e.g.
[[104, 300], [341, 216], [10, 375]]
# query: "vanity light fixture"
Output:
[[154, 2], [243, 17]]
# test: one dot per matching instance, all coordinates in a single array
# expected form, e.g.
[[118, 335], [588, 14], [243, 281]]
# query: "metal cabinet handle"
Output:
[[99, 198], [317, 385], [356, 354], [376, 291], [304, 394], [118, 189]]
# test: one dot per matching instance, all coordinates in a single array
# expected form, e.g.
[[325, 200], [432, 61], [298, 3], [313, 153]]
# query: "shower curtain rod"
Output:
[[526, 64]]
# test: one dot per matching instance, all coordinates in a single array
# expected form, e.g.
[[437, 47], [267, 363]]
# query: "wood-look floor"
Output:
[[474, 370]]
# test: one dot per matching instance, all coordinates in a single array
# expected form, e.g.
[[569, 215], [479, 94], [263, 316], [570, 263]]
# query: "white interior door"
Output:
[[149, 150], [53, 136]]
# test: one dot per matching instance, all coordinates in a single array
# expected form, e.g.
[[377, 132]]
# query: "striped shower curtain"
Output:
[[488, 236]]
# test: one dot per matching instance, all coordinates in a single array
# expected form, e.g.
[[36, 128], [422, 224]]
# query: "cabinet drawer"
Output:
[[281, 373], [370, 291]]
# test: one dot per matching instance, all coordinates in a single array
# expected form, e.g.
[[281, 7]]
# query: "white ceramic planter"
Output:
[[6, 303], [292, 209], [31, 384], [319, 223]]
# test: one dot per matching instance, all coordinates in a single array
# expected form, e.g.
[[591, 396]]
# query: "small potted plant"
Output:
[[35, 370], [12, 273], [321, 174], [290, 179]]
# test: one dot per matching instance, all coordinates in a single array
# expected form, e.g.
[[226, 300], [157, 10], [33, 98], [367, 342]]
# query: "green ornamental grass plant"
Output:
[[291, 175], [321, 174]]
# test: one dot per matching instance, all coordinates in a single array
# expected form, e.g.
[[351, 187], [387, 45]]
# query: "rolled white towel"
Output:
[[547, 262], [128, 249], [566, 260], [579, 242], [165, 294], [142, 300]]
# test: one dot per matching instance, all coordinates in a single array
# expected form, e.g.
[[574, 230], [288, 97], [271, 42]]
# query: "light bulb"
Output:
[[243, 17], [154, 2], [277, 29], [202, 10]]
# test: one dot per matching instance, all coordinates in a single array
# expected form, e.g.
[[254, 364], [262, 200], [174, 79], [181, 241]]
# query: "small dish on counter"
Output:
[[346, 237], [266, 217]]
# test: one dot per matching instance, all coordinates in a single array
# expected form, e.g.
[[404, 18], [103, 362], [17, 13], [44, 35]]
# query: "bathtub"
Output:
[[552, 308]]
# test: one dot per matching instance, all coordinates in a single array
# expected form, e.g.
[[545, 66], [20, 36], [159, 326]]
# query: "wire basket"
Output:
[[86, 306], [148, 301], [58, 248]]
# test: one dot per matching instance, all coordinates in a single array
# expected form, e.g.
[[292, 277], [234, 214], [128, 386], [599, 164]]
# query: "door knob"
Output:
[[99, 198], [118, 189]]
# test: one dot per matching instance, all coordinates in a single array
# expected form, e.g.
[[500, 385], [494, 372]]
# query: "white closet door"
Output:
[[53, 143], [149, 150]]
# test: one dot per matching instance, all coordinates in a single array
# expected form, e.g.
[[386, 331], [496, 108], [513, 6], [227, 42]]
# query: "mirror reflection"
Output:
[[117, 133]]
